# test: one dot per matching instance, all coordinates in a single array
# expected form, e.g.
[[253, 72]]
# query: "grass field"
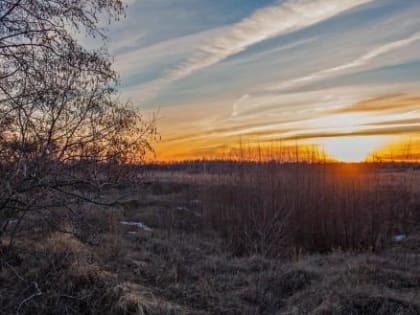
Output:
[[267, 239]]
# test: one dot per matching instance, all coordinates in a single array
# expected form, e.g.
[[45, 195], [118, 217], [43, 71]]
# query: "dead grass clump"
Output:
[[379, 305], [61, 276], [393, 279], [272, 288], [100, 227], [138, 300], [291, 282], [92, 222]]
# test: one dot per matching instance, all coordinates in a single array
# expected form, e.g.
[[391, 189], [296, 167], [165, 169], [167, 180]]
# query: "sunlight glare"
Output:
[[352, 149]]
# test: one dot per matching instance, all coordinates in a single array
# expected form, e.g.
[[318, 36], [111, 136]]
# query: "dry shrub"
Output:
[[291, 282], [315, 208], [61, 276], [92, 223], [365, 305]]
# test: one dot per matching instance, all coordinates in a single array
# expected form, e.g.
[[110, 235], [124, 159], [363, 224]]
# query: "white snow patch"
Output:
[[183, 209], [399, 238], [137, 224]]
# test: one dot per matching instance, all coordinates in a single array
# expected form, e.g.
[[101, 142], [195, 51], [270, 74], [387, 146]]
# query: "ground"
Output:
[[171, 264]]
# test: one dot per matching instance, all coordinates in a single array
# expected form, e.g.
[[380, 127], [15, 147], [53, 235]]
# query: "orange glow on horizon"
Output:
[[341, 149], [376, 129], [353, 149]]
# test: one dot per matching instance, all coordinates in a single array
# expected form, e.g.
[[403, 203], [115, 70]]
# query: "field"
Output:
[[209, 238], [198, 157]]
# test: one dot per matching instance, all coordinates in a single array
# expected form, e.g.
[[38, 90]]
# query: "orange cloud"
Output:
[[396, 102], [188, 134]]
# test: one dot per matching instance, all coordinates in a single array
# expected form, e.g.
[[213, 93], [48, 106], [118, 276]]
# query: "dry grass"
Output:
[[190, 263], [58, 276], [310, 209]]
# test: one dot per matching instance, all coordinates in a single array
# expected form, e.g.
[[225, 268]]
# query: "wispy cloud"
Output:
[[397, 102], [237, 103], [399, 122], [411, 129], [279, 19], [355, 64]]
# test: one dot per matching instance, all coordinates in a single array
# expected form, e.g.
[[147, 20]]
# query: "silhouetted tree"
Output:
[[61, 125]]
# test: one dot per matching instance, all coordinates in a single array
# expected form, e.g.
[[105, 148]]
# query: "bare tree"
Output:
[[61, 124]]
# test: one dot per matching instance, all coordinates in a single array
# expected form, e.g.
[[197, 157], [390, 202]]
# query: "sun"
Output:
[[352, 149]]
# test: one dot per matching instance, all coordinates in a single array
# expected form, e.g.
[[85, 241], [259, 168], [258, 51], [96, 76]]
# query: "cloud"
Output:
[[363, 132], [130, 62], [255, 57], [128, 2], [279, 19], [237, 103], [359, 62], [408, 121], [397, 102], [384, 115]]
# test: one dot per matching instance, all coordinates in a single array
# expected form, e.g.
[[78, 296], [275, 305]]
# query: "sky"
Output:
[[343, 75]]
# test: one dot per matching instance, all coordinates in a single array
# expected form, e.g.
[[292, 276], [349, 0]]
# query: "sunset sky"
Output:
[[341, 74]]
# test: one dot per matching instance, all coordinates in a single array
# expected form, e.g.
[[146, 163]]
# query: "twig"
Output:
[[38, 293], [14, 271]]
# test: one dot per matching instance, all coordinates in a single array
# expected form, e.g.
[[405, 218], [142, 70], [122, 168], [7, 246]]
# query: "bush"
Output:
[[310, 208]]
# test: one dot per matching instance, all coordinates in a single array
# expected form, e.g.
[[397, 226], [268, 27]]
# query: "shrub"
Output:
[[313, 208]]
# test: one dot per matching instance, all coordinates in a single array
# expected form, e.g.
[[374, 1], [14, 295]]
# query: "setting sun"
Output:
[[352, 149]]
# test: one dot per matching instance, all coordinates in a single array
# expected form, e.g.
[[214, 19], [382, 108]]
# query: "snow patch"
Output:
[[399, 238], [137, 224]]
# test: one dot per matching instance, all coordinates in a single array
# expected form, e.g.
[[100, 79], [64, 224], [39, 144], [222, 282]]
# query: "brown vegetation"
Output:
[[185, 265], [311, 208], [63, 133], [84, 231]]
